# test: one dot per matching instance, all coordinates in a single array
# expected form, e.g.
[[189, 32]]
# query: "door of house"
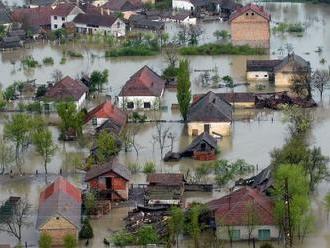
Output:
[[108, 182], [264, 234], [207, 128]]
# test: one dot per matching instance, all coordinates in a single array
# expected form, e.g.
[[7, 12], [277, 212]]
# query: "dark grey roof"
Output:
[[113, 165], [298, 62], [262, 65], [4, 17], [204, 137], [140, 21], [110, 126], [210, 108], [95, 20], [42, 2], [59, 204]]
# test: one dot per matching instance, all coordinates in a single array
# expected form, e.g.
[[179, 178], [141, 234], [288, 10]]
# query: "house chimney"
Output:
[[108, 11], [101, 11]]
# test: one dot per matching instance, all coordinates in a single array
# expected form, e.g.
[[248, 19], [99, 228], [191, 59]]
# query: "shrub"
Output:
[[48, 61], [138, 117], [86, 231], [131, 51], [147, 235], [29, 62], [123, 238], [266, 245], [45, 241], [74, 54], [220, 49], [41, 90], [70, 241], [63, 60], [289, 28], [134, 167], [149, 167], [34, 107]]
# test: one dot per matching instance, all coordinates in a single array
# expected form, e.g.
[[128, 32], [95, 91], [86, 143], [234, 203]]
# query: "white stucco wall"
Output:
[[222, 128], [138, 102], [60, 20], [222, 232], [257, 76], [114, 30], [182, 4], [81, 101]]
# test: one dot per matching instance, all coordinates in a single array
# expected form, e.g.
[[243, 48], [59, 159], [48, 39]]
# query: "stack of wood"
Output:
[[138, 218]]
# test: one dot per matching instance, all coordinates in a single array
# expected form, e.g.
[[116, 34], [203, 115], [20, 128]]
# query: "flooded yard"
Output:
[[254, 135]]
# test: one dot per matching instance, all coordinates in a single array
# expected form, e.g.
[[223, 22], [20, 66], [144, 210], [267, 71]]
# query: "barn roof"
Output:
[[251, 6], [203, 137], [113, 165], [95, 19], [166, 179]]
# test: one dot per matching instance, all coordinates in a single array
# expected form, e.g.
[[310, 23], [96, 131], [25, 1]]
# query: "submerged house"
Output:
[[165, 189], [143, 90], [99, 24], [67, 89], [203, 147], [236, 212], [59, 212], [281, 72], [110, 180], [210, 114], [106, 116], [250, 25], [11, 42]]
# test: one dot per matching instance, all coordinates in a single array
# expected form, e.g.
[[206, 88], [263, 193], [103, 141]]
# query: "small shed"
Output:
[[203, 147]]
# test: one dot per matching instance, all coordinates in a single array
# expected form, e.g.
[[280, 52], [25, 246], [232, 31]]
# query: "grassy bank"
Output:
[[221, 49]]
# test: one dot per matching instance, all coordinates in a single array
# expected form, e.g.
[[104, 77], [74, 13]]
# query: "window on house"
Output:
[[235, 234], [55, 26], [55, 17], [257, 75], [247, 14], [130, 105], [264, 234], [195, 132], [63, 18], [147, 105], [265, 75], [94, 122], [118, 24], [57, 218], [252, 13]]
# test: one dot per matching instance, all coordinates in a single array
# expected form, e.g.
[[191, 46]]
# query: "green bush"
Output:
[[34, 107], [70, 241], [74, 54], [123, 238], [134, 167], [63, 60], [147, 235], [266, 245], [48, 61], [131, 51], [149, 167], [221, 49], [86, 231], [45, 241], [289, 27], [29, 62]]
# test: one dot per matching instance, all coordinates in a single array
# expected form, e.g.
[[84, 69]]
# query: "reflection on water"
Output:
[[255, 132]]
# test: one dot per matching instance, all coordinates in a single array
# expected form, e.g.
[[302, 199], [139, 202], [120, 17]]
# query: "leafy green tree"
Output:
[[298, 119], [2, 31], [147, 235], [70, 241], [45, 241], [123, 238], [43, 141], [71, 119], [10, 93], [98, 80], [41, 90], [17, 130], [86, 231], [183, 88], [221, 34], [90, 202], [6, 155], [298, 194], [149, 167], [176, 224], [193, 226], [107, 147]]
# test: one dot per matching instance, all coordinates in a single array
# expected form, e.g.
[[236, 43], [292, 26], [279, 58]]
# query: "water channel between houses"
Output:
[[255, 132]]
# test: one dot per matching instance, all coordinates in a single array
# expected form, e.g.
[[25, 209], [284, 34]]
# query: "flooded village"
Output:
[[176, 123]]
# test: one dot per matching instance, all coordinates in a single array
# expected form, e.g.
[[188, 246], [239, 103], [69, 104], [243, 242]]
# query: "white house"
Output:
[[67, 89], [99, 24], [63, 13], [183, 5], [244, 211], [143, 90]]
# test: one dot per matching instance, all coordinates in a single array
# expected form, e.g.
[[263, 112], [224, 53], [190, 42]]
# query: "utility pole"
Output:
[[288, 239]]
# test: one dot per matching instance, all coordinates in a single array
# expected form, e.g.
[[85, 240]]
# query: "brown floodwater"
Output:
[[255, 132]]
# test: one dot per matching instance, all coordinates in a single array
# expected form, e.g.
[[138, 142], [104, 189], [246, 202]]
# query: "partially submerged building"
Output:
[[282, 72], [143, 90], [250, 25], [210, 114], [59, 212], [235, 213]]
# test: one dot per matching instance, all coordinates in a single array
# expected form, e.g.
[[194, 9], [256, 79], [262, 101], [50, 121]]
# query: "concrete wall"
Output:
[[283, 79], [222, 128], [58, 227], [250, 29], [115, 30], [222, 232], [182, 4], [257, 76]]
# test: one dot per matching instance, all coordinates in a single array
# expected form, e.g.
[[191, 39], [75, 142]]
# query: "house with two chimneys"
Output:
[[244, 214], [250, 25], [281, 72], [210, 113], [143, 91], [59, 212]]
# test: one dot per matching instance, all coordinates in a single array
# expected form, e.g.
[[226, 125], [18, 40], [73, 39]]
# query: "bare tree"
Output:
[[57, 75], [128, 138], [302, 83], [13, 220], [320, 80], [171, 56], [161, 136]]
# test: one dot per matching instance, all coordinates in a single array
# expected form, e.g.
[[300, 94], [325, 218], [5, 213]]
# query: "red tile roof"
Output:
[[109, 111], [66, 89], [255, 8], [60, 184], [233, 209], [34, 16], [145, 82], [63, 9]]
